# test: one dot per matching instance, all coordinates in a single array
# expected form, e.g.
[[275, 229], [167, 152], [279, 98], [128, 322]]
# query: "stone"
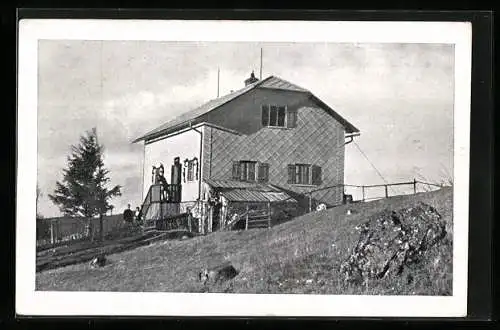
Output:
[[217, 274], [99, 261], [392, 241]]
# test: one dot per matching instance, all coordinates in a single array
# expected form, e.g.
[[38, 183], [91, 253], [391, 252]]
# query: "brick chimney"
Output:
[[251, 80]]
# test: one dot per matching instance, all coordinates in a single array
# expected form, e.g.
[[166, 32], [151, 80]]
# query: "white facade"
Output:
[[185, 144]]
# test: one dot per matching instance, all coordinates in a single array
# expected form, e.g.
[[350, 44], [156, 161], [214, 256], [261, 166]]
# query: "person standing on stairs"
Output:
[[161, 180]]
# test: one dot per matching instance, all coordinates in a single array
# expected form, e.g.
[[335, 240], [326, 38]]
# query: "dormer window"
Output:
[[277, 116]]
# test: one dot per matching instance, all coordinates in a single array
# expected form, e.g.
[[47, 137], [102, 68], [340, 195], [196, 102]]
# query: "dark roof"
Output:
[[271, 82], [249, 195], [240, 191], [233, 184]]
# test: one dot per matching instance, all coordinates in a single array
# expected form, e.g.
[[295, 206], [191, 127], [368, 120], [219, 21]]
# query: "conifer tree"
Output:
[[84, 191]]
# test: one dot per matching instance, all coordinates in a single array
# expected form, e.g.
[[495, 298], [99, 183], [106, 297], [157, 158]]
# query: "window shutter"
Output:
[[251, 171], [316, 175], [236, 170], [291, 120], [291, 174], [263, 173], [265, 115]]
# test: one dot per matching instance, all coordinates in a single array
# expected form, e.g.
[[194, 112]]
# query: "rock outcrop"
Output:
[[391, 242], [217, 275]]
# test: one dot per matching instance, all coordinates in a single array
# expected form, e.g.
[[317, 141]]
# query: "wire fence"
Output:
[[365, 193], [372, 192]]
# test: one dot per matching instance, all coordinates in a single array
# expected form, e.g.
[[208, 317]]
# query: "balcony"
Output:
[[162, 201]]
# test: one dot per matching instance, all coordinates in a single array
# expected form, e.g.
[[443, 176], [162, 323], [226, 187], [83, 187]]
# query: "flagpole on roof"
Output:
[[260, 63], [218, 80]]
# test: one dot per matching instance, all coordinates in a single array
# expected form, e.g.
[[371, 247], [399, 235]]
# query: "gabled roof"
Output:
[[270, 82], [278, 83]]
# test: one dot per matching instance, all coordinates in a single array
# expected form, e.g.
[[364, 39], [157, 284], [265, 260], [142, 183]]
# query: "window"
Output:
[[273, 116], [250, 171], [247, 172], [190, 171], [304, 174]]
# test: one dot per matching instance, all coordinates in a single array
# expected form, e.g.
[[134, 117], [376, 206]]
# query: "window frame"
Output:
[[268, 110], [244, 170], [299, 175], [190, 171]]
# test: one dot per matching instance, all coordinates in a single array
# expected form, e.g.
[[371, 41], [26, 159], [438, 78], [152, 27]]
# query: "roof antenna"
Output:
[[260, 63], [218, 81]]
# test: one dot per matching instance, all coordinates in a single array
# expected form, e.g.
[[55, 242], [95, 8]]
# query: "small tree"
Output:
[[83, 191]]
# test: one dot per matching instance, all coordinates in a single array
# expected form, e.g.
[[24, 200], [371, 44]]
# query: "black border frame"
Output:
[[480, 279]]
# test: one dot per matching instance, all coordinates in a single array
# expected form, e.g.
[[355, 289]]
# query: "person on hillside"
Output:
[[128, 215], [137, 214]]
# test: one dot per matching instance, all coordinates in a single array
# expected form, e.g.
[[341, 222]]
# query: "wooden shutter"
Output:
[[251, 171], [236, 170], [316, 175], [291, 120], [263, 172], [291, 174], [265, 115]]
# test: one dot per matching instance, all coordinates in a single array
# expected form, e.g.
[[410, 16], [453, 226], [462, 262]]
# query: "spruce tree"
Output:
[[84, 191]]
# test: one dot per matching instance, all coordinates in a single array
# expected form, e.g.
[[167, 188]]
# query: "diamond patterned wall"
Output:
[[317, 139]]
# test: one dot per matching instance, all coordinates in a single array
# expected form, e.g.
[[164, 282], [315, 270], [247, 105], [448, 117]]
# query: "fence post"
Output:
[[363, 191], [210, 217], [386, 191], [246, 220], [310, 202], [189, 221], [414, 185], [161, 209], [269, 214], [202, 218], [52, 231]]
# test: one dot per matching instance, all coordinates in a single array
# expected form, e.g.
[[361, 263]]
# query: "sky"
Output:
[[400, 96]]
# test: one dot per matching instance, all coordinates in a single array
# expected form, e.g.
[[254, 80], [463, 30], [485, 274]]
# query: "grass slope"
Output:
[[300, 256]]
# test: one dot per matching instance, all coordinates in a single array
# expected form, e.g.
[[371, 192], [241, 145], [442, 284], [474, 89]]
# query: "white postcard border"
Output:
[[31, 302]]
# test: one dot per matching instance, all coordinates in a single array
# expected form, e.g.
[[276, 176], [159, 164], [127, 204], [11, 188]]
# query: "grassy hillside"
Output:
[[301, 256]]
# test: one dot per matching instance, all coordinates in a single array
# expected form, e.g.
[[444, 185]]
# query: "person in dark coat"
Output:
[[161, 180], [128, 215]]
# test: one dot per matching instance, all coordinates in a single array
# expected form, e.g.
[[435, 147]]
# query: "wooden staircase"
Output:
[[258, 221], [252, 220]]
